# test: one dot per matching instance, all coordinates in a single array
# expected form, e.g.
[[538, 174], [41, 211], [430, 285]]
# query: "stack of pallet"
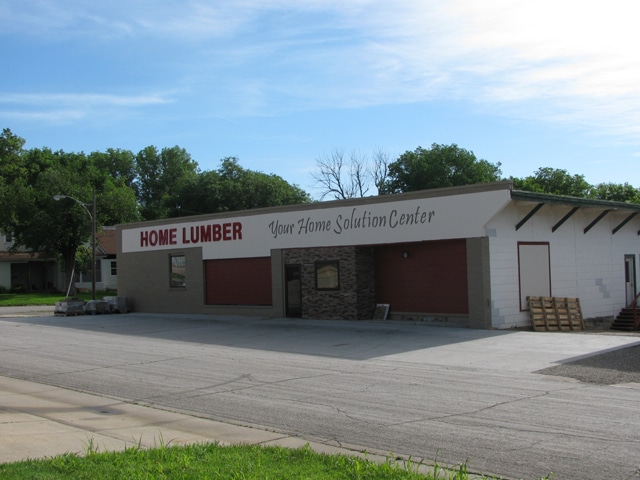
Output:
[[555, 314]]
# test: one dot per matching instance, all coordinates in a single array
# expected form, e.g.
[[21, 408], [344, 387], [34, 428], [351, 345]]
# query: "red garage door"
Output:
[[426, 277], [238, 281]]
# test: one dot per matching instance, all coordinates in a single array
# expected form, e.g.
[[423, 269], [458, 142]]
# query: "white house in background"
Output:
[[26, 271], [33, 272], [107, 272]]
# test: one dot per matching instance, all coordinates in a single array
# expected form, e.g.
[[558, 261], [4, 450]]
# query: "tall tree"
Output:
[[117, 164], [197, 195], [38, 223], [438, 166], [11, 150], [31, 178], [159, 175]]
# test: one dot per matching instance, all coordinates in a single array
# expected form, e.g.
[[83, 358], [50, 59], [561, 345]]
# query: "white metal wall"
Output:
[[588, 266]]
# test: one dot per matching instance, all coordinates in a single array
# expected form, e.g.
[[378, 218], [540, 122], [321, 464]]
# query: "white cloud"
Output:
[[65, 109], [56, 117], [566, 61], [569, 61], [81, 99]]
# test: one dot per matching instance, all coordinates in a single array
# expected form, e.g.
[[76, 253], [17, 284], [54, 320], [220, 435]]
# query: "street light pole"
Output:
[[93, 234], [93, 249]]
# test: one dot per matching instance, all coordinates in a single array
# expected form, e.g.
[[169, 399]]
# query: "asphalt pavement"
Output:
[[42, 420]]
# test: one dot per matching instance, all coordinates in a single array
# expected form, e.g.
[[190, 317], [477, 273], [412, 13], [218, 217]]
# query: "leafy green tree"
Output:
[[117, 164], [197, 195], [554, 181], [159, 175], [232, 188], [31, 178], [243, 189], [114, 174], [616, 192], [438, 166], [37, 222], [11, 150]]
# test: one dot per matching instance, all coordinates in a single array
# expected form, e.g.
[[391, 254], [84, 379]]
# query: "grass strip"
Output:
[[36, 299], [214, 461]]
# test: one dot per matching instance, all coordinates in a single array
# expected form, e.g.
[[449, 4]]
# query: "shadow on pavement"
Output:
[[358, 340]]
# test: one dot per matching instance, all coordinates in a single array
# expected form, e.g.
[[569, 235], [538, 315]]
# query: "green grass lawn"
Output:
[[213, 461], [30, 299]]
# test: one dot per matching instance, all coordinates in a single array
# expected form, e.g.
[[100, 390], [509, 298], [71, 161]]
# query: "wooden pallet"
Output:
[[558, 314]]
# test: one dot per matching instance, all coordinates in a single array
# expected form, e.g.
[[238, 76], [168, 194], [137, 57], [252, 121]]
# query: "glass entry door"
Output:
[[630, 277], [293, 290]]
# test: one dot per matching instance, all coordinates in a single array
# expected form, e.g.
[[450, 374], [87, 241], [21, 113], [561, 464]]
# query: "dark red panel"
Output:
[[238, 281], [432, 279]]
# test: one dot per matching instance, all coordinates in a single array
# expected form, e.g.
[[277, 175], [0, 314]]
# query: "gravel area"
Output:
[[617, 366]]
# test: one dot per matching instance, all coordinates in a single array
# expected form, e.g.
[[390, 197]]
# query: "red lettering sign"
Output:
[[237, 231], [195, 234]]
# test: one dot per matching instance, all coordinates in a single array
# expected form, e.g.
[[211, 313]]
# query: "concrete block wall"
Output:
[[589, 266]]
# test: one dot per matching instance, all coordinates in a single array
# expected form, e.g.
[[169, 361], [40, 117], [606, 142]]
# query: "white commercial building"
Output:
[[460, 256]]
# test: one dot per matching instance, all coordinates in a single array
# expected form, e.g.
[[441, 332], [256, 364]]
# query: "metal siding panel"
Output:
[[242, 281], [433, 279]]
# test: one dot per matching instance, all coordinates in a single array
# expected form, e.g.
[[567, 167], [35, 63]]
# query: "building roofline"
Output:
[[536, 197], [420, 194], [517, 195]]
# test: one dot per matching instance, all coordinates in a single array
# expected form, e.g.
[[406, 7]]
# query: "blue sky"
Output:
[[282, 83]]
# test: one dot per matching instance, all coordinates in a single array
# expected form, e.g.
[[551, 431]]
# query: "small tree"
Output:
[[351, 177]]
